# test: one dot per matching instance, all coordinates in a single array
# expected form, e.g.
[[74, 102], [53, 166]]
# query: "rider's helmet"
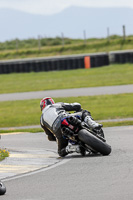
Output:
[[45, 102]]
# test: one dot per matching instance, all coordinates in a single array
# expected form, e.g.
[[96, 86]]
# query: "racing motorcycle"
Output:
[[78, 132]]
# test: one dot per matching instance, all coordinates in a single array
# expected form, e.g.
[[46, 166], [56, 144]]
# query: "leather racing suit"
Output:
[[51, 122]]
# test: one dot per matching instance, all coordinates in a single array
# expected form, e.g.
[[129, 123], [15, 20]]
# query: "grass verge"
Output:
[[29, 130], [104, 76], [37, 130], [27, 112], [3, 154]]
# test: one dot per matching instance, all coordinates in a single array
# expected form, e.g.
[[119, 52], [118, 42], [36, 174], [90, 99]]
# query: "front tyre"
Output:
[[94, 142]]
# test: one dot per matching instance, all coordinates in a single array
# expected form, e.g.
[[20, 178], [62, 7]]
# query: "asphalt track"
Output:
[[91, 91], [74, 177]]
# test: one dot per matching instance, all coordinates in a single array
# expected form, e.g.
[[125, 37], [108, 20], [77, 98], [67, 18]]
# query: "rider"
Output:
[[52, 113]]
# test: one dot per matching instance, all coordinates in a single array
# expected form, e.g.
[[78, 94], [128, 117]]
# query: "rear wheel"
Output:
[[94, 143]]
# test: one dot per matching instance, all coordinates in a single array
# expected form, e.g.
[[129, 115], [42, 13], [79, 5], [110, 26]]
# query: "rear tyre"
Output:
[[93, 142]]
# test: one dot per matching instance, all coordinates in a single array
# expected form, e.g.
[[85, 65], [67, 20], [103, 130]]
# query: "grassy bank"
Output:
[[27, 112], [53, 46], [103, 76]]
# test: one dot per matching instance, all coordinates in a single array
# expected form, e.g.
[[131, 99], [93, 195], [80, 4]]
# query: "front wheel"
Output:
[[94, 143]]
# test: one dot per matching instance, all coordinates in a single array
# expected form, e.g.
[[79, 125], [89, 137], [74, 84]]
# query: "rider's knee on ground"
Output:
[[62, 152], [51, 138], [62, 143]]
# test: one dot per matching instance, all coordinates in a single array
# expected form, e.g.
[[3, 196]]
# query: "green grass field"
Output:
[[27, 112], [104, 76]]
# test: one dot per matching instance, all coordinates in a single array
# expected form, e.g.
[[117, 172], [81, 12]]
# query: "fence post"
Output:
[[39, 42], [124, 32], [62, 35], [84, 37], [108, 34], [16, 45]]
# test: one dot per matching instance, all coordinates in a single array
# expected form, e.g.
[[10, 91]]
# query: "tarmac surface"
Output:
[[27, 154], [74, 177], [34, 170], [91, 91]]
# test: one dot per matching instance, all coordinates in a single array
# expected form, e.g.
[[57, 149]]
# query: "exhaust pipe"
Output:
[[74, 120]]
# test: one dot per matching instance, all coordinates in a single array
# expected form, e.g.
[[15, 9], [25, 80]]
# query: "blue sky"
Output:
[[48, 7]]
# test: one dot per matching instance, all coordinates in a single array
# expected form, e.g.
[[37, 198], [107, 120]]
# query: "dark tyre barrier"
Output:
[[121, 57], [53, 63], [65, 62]]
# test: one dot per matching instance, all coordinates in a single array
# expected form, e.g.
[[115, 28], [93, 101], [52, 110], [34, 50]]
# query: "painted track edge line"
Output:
[[37, 171]]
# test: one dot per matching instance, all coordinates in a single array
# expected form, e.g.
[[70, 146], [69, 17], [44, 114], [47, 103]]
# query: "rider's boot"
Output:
[[73, 148], [92, 124]]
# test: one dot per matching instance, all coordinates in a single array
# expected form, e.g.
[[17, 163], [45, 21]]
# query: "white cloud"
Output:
[[54, 6]]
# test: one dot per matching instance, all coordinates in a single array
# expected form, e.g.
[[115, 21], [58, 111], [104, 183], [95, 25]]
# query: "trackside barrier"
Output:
[[54, 63], [121, 56], [65, 62]]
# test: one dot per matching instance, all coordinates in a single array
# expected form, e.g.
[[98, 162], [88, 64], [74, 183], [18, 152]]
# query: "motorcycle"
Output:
[[78, 132]]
